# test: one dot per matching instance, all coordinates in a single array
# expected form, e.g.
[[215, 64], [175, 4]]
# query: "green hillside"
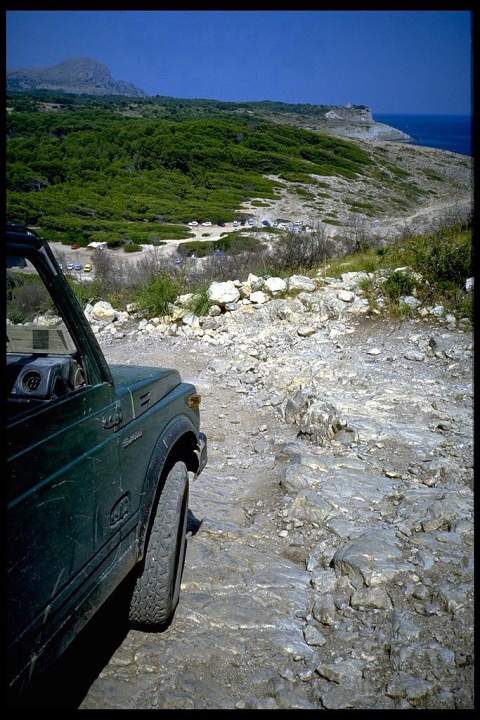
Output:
[[90, 172]]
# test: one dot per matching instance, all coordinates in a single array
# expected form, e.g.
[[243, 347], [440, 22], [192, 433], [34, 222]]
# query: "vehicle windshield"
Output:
[[33, 324]]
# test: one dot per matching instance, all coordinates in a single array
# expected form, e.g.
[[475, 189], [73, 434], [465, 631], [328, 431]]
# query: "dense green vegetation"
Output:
[[444, 259], [88, 173], [231, 243]]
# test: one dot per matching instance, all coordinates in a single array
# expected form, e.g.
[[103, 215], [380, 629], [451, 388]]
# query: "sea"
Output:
[[447, 132]]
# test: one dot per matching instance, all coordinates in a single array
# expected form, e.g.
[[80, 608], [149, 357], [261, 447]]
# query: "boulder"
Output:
[[221, 293], [371, 558], [255, 282], [306, 330], [409, 300], [258, 297], [320, 422], [184, 300], [301, 283], [310, 506], [214, 311], [104, 311], [275, 286], [346, 296]]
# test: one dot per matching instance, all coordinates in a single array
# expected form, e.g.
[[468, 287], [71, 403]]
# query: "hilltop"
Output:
[[77, 76]]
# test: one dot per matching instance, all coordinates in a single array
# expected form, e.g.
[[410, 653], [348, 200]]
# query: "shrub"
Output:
[[155, 297], [303, 251], [200, 302], [397, 284], [27, 296], [132, 247]]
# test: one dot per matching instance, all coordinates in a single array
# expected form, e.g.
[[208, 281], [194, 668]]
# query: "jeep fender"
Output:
[[179, 441]]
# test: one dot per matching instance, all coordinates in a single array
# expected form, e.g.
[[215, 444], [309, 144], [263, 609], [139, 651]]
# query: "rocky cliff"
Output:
[[78, 76]]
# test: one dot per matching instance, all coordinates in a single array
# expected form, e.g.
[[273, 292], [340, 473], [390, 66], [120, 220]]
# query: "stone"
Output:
[[296, 478], [132, 308], [301, 283], [374, 351], [346, 296], [371, 558], [275, 286], [351, 280], [406, 686], [438, 311], [417, 659], [258, 297], [469, 282], [414, 355], [345, 672], [297, 405], [324, 610], [221, 293], [184, 300], [409, 300], [371, 598], [103, 311], [320, 422], [404, 628], [255, 282], [306, 330], [190, 319], [214, 311], [310, 506], [231, 306], [313, 636]]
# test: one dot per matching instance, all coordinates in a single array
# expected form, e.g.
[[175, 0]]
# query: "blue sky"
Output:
[[392, 61]]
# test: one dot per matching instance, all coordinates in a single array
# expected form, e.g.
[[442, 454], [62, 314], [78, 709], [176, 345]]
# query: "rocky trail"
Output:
[[330, 539]]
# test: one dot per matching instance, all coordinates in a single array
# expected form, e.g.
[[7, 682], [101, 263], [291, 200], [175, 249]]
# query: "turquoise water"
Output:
[[447, 132]]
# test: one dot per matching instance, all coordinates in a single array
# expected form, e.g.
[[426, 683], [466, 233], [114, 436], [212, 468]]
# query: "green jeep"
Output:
[[99, 460]]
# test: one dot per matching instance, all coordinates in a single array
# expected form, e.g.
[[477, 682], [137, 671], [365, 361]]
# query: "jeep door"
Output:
[[63, 479]]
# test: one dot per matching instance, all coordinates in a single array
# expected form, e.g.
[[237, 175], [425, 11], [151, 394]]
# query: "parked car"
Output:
[[99, 463], [70, 266], [75, 246], [78, 266], [87, 267]]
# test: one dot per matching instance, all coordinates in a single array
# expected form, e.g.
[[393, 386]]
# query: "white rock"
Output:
[[259, 297], [346, 296], [132, 307], [190, 320], [222, 293], [214, 310], [413, 355], [409, 300], [306, 330], [301, 283], [469, 284], [275, 286], [255, 282], [374, 351], [438, 311], [104, 311], [184, 300]]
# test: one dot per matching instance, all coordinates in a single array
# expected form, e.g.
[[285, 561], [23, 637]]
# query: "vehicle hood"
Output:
[[144, 386]]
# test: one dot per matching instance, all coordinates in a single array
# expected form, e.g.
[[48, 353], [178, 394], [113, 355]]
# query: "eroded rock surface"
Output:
[[332, 568]]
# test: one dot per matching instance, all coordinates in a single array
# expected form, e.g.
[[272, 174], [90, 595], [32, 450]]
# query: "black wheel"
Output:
[[157, 587]]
